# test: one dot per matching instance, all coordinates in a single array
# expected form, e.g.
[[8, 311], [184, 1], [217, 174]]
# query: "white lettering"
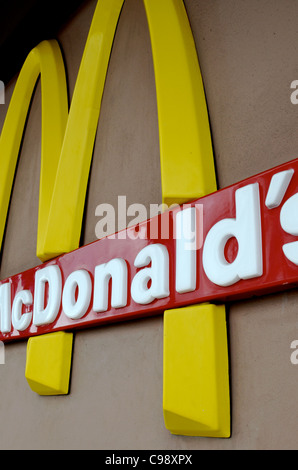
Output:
[[289, 223], [186, 254], [246, 228], [51, 275], [75, 307], [21, 321], [278, 188], [5, 307], [116, 270], [157, 274]]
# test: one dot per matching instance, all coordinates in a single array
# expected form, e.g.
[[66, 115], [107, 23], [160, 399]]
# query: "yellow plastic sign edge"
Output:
[[187, 168], [196, 399], [64, 223], [196, 392], [44, 60], [48, 363]]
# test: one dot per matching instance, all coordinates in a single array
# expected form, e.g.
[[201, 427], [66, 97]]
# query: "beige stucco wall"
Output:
[[249, 57]]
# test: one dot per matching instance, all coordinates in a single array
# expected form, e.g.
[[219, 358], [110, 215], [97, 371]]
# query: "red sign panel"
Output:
[[237, 243]]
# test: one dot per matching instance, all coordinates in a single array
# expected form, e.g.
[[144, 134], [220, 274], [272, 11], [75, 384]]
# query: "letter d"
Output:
[[246, 228], [42, 315]]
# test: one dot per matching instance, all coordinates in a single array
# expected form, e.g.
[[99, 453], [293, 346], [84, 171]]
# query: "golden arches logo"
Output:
[[68, 137], [187, 173]]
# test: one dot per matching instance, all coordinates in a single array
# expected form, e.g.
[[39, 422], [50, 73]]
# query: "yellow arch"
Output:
[[67, 140], [195, 371], [45, 60], [187, 166], [185, 144], [65, 221]]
